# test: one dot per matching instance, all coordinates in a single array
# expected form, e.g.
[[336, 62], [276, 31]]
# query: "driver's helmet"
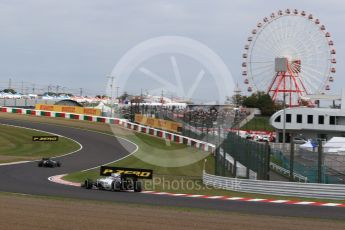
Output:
[[115, 175]]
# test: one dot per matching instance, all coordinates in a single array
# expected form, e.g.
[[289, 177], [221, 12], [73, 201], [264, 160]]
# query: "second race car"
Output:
[[48, 162]]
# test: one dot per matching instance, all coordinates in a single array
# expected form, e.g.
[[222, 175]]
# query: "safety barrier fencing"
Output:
[[297, 177], [174, 137], [295, 189]]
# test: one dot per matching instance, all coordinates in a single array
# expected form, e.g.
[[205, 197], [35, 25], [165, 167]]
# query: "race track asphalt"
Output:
[[99, 149]]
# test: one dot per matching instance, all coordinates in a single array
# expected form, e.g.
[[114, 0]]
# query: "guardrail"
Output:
[[297, 177], [296, 189]]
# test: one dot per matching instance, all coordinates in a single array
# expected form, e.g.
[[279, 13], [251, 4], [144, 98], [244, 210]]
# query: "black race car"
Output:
[[48, 162]]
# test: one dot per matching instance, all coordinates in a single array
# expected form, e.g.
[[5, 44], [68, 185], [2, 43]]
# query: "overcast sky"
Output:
[[77, 43]]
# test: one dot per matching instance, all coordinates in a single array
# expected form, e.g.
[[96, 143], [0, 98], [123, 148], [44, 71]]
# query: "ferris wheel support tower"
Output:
[[287, 80]]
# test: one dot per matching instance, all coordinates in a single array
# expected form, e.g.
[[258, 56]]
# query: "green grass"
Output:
[[16, 144], [258, 124], [164, 158]]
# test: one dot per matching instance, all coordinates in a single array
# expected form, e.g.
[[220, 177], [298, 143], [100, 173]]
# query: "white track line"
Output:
[[305, 202], [331, 204], [279, 201], [136, 149], [235, 198]]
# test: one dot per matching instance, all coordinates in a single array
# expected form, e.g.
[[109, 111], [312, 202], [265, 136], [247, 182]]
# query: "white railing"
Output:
[[298, 177], [296, 189]]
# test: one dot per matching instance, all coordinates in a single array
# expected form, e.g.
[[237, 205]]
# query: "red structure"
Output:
[[287, 81]]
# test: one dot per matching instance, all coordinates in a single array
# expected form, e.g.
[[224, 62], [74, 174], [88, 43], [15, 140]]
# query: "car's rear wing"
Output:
[[127, 172]]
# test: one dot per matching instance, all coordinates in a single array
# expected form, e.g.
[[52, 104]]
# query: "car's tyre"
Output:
[[88, 184], [40, 164], [58, 164], [138, 187], [116, 186]]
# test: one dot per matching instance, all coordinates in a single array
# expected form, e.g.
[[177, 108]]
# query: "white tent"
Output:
[[103, 107], [335, 145], [308, 146]]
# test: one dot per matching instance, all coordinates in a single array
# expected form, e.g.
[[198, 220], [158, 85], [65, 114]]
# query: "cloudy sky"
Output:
[[76, 44]]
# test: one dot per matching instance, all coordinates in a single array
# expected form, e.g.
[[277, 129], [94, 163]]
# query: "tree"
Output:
[[251, 101], [9, 91], [237, 99], [266, 104], [124, 96], [262, 101]]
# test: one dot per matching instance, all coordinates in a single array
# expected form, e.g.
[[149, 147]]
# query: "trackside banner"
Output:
[[140, 173], [45, 138]]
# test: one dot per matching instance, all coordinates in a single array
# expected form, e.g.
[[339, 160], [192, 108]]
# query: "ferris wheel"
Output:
[[289, 53]]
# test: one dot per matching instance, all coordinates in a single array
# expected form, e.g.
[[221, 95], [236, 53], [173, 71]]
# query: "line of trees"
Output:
[[9, 91]]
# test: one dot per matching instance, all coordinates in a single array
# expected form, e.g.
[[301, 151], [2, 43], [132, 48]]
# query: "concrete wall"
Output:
[[25, 102]]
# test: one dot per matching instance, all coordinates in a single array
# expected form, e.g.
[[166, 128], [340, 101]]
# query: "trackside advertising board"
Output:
[[139, 173], [68, 109], [45, 138], [171, 126]]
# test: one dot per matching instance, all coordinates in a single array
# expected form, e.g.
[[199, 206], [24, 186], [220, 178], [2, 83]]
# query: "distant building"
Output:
[[312, 123]]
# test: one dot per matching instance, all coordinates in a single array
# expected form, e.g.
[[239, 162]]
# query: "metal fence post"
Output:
[[248, 161], [216, 161], [267, 161], [292, 156], [319, 162]]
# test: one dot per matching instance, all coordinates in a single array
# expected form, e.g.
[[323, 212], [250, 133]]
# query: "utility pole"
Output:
[[33, 88], [111, 94], [284, 121], [81, 92], [111, 85], [22, 88], [57, 89], [117, 92], [10, 83]]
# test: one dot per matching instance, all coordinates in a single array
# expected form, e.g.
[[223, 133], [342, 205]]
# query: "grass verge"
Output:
[[16, 144], [258, 124]]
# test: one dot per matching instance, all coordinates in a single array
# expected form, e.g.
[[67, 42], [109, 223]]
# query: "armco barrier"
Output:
[[297, 177], [204, 146], [311, 190]]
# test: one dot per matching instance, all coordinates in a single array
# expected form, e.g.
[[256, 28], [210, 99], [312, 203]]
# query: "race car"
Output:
[[48, 162], [115, 182]]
